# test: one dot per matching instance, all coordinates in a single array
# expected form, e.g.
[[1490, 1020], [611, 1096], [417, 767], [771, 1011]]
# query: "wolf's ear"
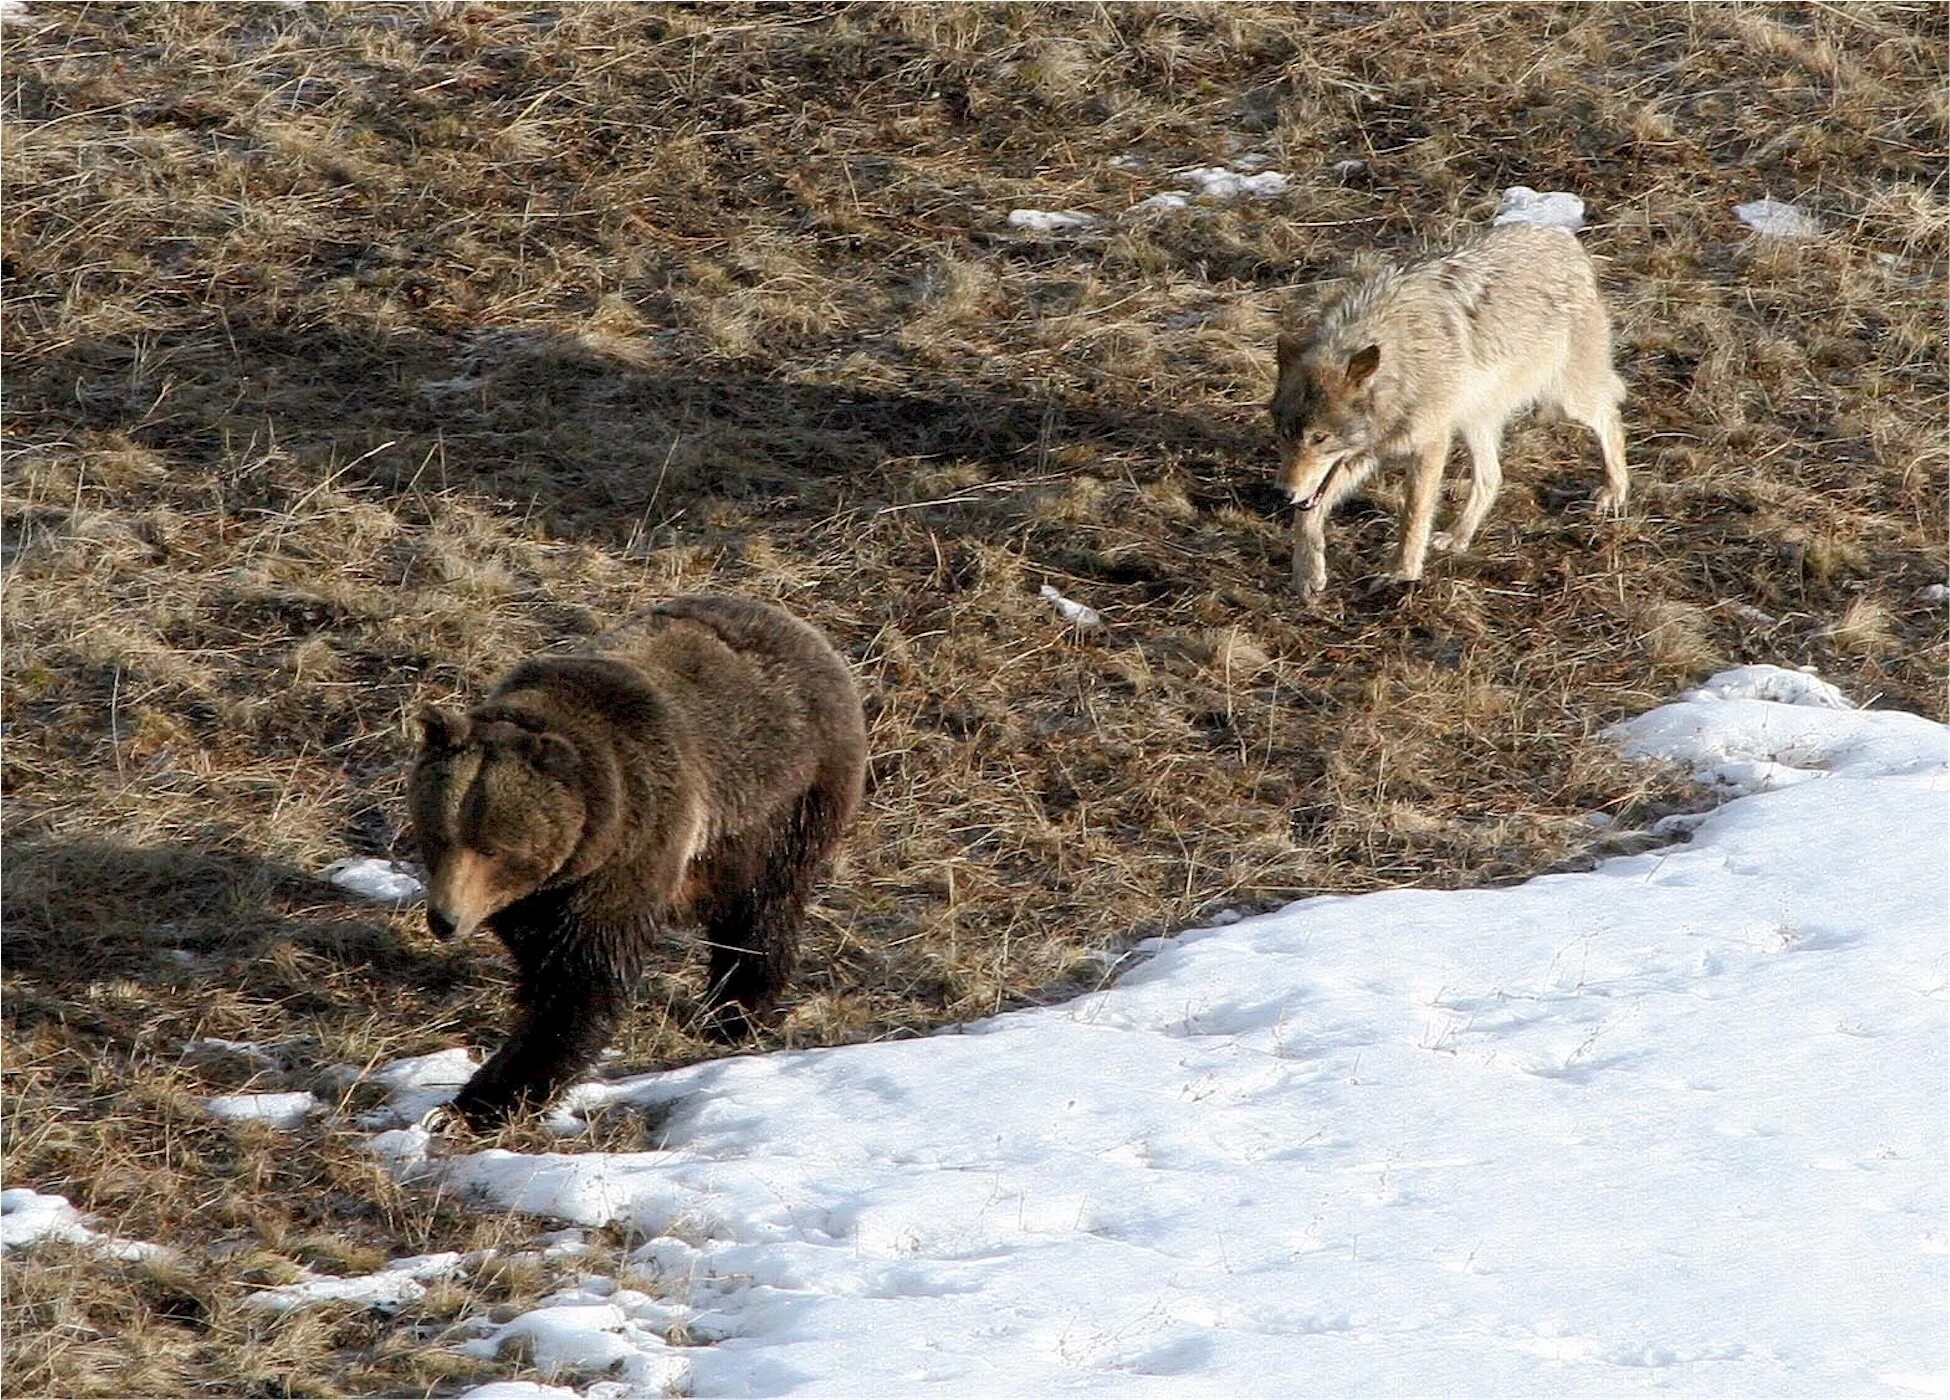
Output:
[[1361, 365], [1288, 349], [441, 729]]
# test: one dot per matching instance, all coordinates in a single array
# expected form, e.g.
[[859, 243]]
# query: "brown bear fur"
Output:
[[694, 764]]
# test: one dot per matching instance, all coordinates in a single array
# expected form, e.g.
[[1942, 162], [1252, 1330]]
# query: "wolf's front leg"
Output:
[[1418, 511], [567, 1016], [1310, 550]]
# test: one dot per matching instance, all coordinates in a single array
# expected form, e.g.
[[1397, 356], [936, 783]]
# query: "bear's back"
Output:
[[766, 699]]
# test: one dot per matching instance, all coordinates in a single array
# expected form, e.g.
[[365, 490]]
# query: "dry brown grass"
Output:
[[355, 351]]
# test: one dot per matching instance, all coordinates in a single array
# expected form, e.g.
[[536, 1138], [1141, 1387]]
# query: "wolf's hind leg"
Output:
[[1592, 396], [1485, 480], [1609, 429], [1611, 437]]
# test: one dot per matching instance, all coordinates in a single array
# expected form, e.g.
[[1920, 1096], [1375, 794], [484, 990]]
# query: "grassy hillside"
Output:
[[355, 351]]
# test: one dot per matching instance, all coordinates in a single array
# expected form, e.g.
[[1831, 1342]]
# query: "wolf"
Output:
[[1461, 342]]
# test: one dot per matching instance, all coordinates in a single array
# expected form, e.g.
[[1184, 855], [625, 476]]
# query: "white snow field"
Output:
[[1677, 1124]]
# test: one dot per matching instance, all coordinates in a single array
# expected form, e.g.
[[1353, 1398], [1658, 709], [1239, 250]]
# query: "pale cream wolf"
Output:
[[1458, 343]]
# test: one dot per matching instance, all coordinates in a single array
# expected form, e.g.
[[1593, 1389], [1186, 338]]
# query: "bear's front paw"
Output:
[[480, 1110]]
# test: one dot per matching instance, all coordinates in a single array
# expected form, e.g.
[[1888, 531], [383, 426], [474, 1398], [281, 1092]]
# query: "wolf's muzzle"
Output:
[[1312, 498]]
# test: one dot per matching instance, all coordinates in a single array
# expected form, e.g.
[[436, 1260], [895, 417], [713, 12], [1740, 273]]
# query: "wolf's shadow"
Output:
[[594, 433]]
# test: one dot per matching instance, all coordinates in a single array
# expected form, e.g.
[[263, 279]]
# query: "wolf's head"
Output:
[[499, 809], [1322, 415]]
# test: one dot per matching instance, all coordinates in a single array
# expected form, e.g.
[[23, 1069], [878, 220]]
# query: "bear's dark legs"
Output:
[[567, 1016], [753, 937], [752, 926]]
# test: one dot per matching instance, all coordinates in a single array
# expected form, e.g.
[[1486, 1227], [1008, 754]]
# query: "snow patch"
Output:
[[1774, 683], [1245, 178], [1762, 728], [583, 1333], [1046, 221], [1772, 219], [1217, 182], [1072, 611], [279, 1110], [401, 1282], [28, 1217], [443, 1069], [405, 1148], [418, 1085], [383, 881], [1551, 208]]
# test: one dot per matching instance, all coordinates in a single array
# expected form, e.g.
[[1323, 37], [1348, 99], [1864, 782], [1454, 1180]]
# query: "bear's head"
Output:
[[499, 810]]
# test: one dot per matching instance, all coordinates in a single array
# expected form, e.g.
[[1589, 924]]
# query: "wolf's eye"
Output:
[[1316, 437]]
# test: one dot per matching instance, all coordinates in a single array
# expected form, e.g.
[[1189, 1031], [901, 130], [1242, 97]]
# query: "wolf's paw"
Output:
[[1447, 543], [1609, 504], [1308, 587], [1390, 587]]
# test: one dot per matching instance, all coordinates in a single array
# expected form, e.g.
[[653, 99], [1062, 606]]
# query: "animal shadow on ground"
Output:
[[587, 432], [83, 910]]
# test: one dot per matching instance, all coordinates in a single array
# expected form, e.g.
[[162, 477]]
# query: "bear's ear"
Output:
[[441, 729], [1288, 349], [551, 754], [1361, 365]]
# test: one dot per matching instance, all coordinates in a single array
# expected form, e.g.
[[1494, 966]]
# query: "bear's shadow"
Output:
[[82, 911]]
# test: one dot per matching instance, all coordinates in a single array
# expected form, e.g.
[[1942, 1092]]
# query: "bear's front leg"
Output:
[[567, 1016]]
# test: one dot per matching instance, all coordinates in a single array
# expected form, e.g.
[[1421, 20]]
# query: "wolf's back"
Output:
[[1509, 294]]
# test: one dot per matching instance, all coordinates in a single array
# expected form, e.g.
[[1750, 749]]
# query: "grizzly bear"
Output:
[[694, 764]]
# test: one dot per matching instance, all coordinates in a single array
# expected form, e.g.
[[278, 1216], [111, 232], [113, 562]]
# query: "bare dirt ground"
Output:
[[355, 351]]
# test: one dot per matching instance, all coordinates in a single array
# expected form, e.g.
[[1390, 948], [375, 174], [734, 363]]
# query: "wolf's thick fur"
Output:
[[696, 763], [1458, 343]]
